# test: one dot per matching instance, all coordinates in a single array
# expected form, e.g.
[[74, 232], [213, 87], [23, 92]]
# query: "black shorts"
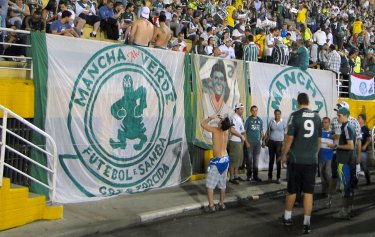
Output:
[[301, 178], [90, 19], [334, 167]]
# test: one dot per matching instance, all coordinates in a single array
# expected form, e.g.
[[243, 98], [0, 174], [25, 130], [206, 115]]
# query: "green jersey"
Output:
[[303, 57], [254, 128], [347, 133], [306, 128]]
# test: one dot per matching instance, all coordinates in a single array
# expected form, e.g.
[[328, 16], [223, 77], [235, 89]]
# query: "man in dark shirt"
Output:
[[34, 22], [346, 155], [366, 141], [302, 144]]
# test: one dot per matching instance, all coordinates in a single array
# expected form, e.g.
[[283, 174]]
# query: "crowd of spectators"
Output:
[[334, 35]]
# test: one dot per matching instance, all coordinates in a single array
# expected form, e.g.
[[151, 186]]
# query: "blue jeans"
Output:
[[252, 159], [4, 11], [364, 165]]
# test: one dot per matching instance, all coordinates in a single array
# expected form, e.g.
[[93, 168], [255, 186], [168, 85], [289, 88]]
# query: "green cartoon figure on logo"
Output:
[[129, 109]]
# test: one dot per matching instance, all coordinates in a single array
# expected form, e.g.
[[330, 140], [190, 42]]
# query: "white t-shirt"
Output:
[[238, 126], [330, 38], [320, 37], [230, 50], [270, 39]]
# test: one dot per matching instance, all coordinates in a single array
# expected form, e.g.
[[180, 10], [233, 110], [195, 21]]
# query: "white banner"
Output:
[[117, 115], [218, 85], [362, 87], [277, 87]]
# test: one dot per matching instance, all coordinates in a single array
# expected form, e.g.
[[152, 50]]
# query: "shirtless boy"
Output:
[[218, 166], [162, 34], [142, 30]]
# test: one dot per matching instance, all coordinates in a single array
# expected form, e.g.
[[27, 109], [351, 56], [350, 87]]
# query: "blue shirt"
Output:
[[105, 13], [253, 127], [277, 131], [325, 153], [58, 26]]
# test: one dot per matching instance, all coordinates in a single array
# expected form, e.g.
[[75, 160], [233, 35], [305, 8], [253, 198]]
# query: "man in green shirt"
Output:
[[346, 156], [251, 51], [303, 55], [254, 136], [302, 144]]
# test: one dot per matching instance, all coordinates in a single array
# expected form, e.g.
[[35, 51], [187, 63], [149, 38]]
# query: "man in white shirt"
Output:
[[227, 51], [320, 37], [293, 33], [270, 43], [235, 144], [87, 12], [329, 36]]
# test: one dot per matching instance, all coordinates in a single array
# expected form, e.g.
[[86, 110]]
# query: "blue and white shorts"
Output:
[[215, 179]]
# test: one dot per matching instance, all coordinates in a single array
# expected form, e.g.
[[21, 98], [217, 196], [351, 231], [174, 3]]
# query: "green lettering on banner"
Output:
[[290, 78], [130, 152], [82, 99], [291, 81]]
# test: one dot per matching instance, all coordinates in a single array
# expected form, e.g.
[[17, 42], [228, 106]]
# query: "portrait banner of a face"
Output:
[[218, 84]]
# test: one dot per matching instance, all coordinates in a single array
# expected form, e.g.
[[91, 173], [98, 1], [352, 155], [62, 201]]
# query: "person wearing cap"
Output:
[[143, 30], [365, 142], [235, 145], [162, 34], [345, 157], [300, 149], [175, 46], [336, 128], [227, 51]]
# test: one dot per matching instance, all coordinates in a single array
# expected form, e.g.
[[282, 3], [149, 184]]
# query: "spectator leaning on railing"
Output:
[[63, 26], [34, 22]]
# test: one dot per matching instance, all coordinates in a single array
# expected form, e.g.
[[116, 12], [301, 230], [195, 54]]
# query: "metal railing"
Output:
[[25, 59], [342, 86], [51, 156]]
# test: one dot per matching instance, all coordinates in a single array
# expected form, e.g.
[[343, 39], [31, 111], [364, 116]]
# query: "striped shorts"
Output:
[[215, 179]]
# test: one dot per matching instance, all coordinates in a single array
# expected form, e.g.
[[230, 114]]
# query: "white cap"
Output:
[[145, 13], [342, 104], [238, 106]]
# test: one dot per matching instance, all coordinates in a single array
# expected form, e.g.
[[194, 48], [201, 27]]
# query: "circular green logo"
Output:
[[285, 87], [121, 115]]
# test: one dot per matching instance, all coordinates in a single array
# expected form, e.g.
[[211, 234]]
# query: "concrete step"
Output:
[[19, 206]]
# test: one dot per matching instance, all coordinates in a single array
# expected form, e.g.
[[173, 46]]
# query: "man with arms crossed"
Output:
[[236, 144], [218, 166], [301, 145], [142, 30]]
